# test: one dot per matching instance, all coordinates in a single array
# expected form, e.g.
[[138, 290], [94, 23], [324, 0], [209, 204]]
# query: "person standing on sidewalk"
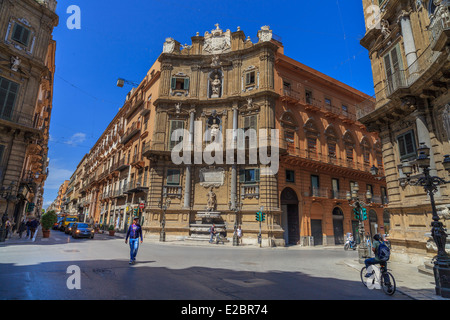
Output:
[[134, 233]]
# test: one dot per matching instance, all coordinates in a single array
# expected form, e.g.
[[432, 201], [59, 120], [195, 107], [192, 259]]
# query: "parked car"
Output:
[[82, 230], [70, 227]]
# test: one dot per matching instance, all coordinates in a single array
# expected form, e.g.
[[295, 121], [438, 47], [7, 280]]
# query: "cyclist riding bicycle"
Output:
[[377, 241]]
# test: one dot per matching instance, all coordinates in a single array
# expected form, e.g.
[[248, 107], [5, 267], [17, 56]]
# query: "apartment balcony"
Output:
[[173, 191], [121, 164], [401, 81], [250, 191], [338, 194], [136, 186], [317, 192], [138, 161], [131, 132], [19, 119], [440, 28]]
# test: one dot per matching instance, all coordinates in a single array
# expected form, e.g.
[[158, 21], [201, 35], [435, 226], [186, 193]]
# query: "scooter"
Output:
[[350, 244]]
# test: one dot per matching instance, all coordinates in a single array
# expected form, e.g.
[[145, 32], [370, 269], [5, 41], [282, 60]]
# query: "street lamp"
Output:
[[164, 206], [5, 193], [237, 207], [438, 232], [359, 206]]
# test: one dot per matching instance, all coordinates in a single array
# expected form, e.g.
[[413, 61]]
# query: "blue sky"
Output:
[[124, 38]]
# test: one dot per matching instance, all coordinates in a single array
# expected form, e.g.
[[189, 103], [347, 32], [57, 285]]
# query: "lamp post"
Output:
[[164, 205], [438, 232], [237, 207], [359, 206], [5, 193]]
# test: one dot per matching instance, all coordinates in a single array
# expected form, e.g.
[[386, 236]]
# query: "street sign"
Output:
[[142, 205]]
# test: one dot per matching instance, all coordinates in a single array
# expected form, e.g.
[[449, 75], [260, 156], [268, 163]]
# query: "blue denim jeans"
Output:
[[134, 246]]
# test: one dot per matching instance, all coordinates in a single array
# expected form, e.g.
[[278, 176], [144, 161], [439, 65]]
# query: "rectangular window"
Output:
[[8, 94], [180, 83], [406, 145], [393, 65], [349, 152], [249, 175], [290, 176], [335, 188], [174, 125], [327, 102], [308, 96], [315, 185], [332, 150], [250, 78], [251, 122], [312, 144], [173, 177], [21, 34], [289, 136]]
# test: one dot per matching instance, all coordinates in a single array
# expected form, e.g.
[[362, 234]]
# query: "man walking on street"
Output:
[[134, 232]]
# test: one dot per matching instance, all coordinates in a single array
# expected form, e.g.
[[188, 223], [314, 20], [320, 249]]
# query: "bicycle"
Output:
[[383, 278]]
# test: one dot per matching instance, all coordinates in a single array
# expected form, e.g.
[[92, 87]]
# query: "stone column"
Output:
[[188, 183], [233, 195], [408, 41]]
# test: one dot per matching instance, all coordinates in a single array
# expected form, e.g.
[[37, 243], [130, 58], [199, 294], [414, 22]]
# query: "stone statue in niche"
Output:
[[212, 200], [15, 63], [214, 129], [215, 85]]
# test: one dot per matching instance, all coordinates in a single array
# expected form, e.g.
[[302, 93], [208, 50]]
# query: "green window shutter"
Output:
[[174, 83], [8, 94], [256, 175], [186, 84]]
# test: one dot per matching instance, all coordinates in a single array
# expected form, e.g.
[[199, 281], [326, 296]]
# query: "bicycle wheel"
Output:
[[388, 283], [362, 275]]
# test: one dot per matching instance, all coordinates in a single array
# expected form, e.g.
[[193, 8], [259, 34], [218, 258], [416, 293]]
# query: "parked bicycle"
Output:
[[379, 278]]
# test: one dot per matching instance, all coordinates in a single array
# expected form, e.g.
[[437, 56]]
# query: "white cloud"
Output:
[[77, 138]]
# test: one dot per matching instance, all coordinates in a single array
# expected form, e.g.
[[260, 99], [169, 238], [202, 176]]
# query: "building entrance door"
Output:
[[316, 231], [338, 226], [291, 225]]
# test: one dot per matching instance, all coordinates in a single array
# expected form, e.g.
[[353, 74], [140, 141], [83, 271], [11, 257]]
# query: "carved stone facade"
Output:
[[201, 99], [411, 72], [27, 66]]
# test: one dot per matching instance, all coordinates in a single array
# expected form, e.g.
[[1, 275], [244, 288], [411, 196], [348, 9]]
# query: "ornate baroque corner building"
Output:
[[27, 66], [409, 51], [185, 151]]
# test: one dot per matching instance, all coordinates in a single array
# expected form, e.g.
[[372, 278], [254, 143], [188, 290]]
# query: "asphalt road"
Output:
[[170, 271]]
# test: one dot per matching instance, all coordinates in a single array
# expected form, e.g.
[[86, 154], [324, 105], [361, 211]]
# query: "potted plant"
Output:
[[48, 219], [111, 230]]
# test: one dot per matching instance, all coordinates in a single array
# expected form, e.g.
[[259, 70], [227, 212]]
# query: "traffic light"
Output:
[[364, 214], [135, 211], [258, 216], [263, 216], [356, 213]]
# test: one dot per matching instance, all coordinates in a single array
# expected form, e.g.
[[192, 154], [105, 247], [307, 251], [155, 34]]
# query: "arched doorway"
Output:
[[338, 225], [290, 219]]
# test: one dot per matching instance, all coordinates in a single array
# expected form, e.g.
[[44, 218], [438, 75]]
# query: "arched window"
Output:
[[312, 135], [349, 144], [366, 149], [290, 126], [332, 141]]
